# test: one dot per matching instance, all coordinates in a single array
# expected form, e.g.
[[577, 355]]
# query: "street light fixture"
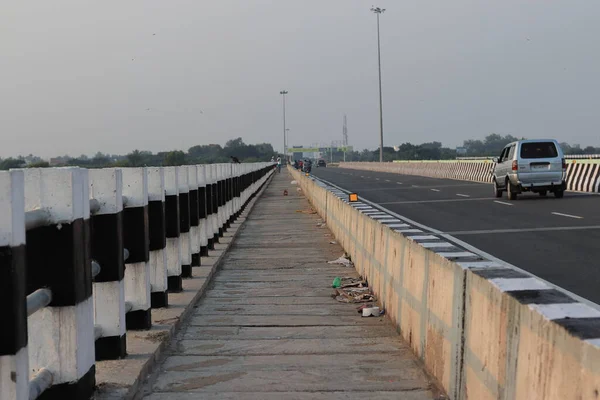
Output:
[[283, 93], [379, 11]]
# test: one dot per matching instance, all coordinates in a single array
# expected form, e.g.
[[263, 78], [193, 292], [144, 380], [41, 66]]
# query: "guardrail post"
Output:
[[61, 336], [228, 197], [202, 211], [194, 215], [209, 208], [172, 228], [136, 234], [220, 199], [107, 249], [159, 293], [184, 222], [215, 202], [14, 359]]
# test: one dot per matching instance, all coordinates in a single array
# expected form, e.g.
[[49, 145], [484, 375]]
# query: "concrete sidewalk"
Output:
[[269, 329]]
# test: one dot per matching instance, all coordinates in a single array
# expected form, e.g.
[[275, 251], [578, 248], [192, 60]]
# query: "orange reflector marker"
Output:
[[307, 174], [352, 197]]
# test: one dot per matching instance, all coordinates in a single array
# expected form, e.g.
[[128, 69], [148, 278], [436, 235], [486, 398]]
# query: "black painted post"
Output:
[[13, 335], [172, 222], [158, 238], [136, 238], [58, 258], [106, 222]]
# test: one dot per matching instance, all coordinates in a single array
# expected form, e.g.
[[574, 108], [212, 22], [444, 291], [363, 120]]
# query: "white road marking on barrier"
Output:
[[409, 230], [437, 245], [462, 195], [398, 226], [380, 216], [435, 190], [479, 264], [504, 203], [389, 220], [567, 215], [425, 237], [456, 254], [566, 310], [514, 284], [489, 258]]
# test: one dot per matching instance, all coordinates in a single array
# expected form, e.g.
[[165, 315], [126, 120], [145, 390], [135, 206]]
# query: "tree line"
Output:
[[199, 154]]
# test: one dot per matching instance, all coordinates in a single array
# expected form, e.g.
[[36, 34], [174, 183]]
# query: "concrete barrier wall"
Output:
[[482, 330], [582, 175], [65, 236]]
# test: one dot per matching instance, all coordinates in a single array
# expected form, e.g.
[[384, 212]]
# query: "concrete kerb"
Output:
[[112, 391], [534, 344]]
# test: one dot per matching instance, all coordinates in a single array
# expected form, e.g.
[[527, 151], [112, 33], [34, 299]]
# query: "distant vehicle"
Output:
[[536, 166], [321, 163]]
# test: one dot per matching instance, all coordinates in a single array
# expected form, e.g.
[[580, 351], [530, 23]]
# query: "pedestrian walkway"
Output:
[[269, 329]]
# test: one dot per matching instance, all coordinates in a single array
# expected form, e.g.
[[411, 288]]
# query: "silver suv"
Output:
[[530, 166]]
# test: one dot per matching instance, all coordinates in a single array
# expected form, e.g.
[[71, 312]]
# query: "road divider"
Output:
[[582, 175], [482, 329]]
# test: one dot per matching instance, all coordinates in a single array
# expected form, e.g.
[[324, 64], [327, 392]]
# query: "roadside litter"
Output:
[[333, 242], [343, 260], [294, 182], [285, 192], [369, 310], [352, 290]]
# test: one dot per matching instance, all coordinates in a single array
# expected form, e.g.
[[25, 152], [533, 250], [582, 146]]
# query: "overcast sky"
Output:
[[81, 76]]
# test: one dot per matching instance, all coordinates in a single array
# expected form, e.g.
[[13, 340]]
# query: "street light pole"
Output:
[[283, 93], [379, 11]]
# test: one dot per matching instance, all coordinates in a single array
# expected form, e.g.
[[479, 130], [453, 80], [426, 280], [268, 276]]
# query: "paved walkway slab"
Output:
[[268, 328]]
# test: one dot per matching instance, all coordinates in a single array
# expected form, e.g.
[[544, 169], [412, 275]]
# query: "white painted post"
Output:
[[158, 240], [184, 221], [221, 189], [14, 359], [173, 229], [61, 336], [228, 191], [105, 186], [202, 210], [136, 233], [194, 215], [215, 202]]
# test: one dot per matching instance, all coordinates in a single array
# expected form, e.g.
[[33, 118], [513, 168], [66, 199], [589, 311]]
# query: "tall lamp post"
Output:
[[378, 11], [283, 93]]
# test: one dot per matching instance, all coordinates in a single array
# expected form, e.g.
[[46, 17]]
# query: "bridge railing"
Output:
[[86, 254]]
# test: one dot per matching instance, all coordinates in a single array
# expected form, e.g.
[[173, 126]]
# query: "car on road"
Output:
[[321, 163], [536, 166]]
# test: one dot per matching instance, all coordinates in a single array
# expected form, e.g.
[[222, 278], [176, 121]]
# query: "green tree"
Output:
[[174, 158]]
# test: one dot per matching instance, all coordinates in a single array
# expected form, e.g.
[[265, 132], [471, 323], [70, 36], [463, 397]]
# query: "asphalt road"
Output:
[[555, 239]]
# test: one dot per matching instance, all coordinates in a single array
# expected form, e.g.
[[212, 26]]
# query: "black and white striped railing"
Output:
[[85, 256]]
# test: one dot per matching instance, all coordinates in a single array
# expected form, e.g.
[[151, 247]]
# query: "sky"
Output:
[[79, 77]]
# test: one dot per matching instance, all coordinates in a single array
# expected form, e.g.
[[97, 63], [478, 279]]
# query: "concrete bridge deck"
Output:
[[268, 328]]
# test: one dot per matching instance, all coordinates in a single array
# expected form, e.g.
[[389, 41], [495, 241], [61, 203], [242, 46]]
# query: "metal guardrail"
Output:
[[38, 300], [39, 383]]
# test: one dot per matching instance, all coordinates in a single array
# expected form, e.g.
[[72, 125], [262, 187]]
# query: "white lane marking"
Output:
[[415, 186], [387, 180], [483, 254], [565, 310], [436, 201], [435, 190], [567, 215], [376, 179], [399, 183], [462, 195], [512, 284], [503, 202], [362, 176], [522, 230]]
